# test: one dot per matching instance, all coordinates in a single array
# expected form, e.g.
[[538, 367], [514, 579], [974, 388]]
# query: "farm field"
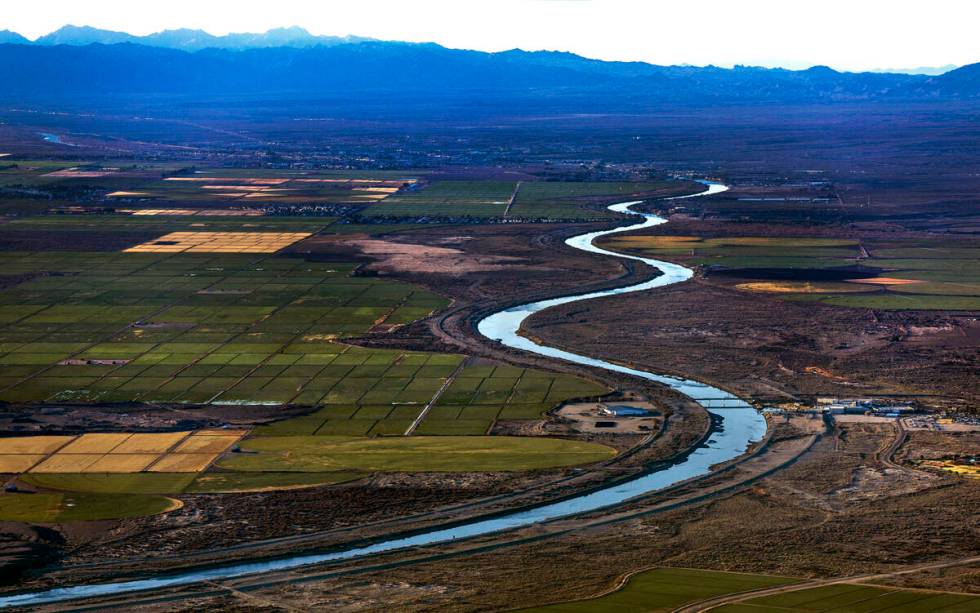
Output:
[[50, 507], [898, 274], [194, 328], [220, 186], [167, 197], [448, 199], [220, 242], [489, 199], [177, 483], [859, 599], [170, 182], [476, 397], [235, 482], [244, 329], [15, 171], [413, 454], [664, 589], [97, 222], [108, 453], [567, 200]]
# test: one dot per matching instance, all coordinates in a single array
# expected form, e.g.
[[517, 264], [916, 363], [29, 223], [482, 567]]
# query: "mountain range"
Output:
[[183, 38], [292, 63]]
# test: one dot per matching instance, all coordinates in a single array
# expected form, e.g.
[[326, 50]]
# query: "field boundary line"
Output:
[[435, 398], [513, 197]]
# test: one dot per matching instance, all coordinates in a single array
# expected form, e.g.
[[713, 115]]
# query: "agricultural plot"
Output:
[[415, 454], [240, 329], [220, 242], [196, 328], [572, 200], [448, 199], [859, 599], [170, 223], [225, 186], [225, 482], [665, 589], [900, 274], [112, 483], [474, 400], [55, 507], [531, 200], [107, 453], [212, 482], [50, 172], [170, 183], [744, 251], [190, 212]]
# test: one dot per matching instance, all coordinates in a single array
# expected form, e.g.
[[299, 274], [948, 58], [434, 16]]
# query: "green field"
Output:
[[942, 275], [474, 400], [859, 599], [244, 329], [538, 200], [199, 328], [177, 483], [891, 302], [664, 589], [164, 224], [112, 483], [222, 482], [567, 199], [241, 329], [412, 454], [52, 507], [448, 199], [743, 251]]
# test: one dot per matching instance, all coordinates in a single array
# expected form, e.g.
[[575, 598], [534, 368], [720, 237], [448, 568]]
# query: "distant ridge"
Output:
[[189, 40], [8, 37], [926, 70], [292, 64], [84, 35]]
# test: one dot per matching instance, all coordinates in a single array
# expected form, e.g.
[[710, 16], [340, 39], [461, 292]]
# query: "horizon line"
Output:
[[918, 70]]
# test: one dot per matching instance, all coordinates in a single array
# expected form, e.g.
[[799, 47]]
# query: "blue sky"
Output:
[[851, 34]]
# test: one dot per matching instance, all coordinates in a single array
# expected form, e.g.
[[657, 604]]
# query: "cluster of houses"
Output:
[[864, 406], [849, 406]]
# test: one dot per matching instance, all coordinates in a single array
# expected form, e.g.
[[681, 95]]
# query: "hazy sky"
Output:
[[845, 34]]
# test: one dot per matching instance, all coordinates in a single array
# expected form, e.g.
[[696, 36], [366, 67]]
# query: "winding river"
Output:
[[736, 426]]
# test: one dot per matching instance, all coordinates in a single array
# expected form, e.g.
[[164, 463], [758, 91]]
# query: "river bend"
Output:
[[736, 425]]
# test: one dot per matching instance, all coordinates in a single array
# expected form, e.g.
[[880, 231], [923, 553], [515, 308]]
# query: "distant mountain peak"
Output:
[[820, 69], [84, 35], [290, 30], [13, 38]]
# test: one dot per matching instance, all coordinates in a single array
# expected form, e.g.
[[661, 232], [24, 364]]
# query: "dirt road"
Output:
[[718, 601]]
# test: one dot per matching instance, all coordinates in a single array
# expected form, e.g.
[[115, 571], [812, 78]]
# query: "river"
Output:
[[736, 426]]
